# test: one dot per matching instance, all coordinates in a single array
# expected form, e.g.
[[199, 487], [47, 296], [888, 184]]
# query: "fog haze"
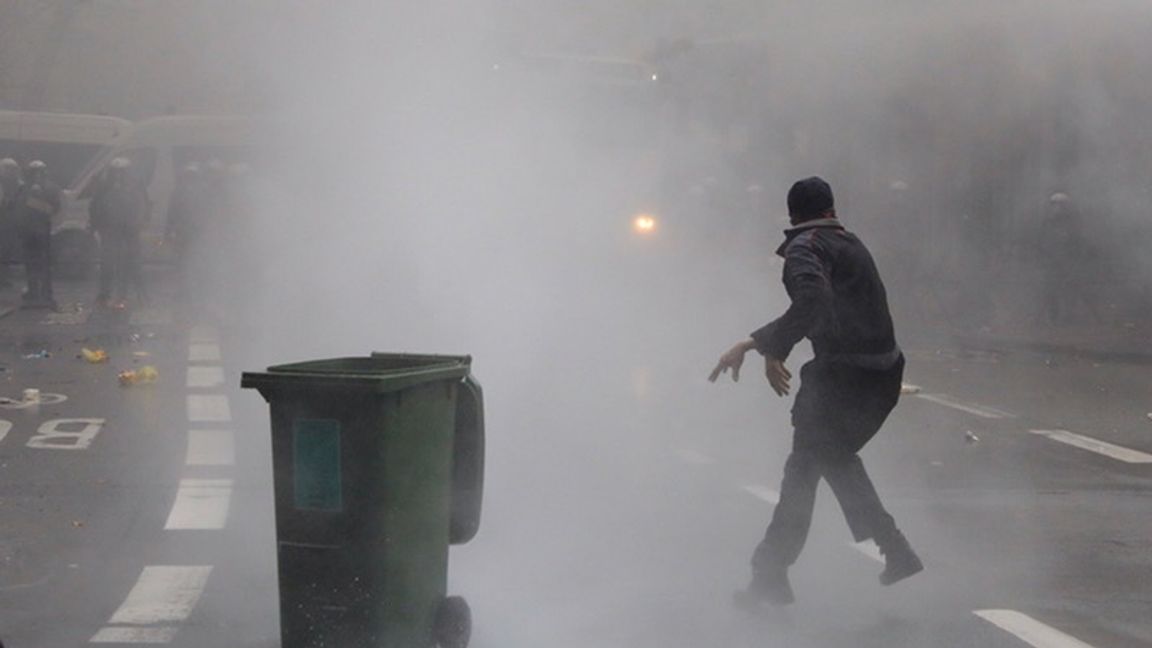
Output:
[[464, 177]]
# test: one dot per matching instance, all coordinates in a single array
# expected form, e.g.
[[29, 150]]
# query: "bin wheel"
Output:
[[453, 625]]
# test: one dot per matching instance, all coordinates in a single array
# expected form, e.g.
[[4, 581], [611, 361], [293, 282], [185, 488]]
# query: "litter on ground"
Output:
[[94, 356]]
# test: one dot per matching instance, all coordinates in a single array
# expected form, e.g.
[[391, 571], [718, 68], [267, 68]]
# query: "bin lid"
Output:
[[377, 373]]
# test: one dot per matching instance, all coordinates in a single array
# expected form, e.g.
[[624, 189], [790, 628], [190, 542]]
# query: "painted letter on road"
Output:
[[67, 434]]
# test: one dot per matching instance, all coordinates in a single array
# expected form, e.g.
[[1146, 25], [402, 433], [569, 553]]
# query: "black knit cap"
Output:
[[809, 198]]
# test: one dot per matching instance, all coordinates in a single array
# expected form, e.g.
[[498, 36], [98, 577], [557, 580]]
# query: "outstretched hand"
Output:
[[732, 360]]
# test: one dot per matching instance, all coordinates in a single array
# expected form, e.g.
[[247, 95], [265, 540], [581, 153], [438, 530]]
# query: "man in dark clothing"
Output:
[[185, 217], [119, 211], [846, 393], [1070, 266], [38, 200], [10, 184]]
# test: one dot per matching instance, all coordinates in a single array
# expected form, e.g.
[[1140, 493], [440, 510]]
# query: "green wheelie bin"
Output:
[[378, 467]]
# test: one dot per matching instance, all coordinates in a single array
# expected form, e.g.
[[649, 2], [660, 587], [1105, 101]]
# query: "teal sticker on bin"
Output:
[[316, 451]]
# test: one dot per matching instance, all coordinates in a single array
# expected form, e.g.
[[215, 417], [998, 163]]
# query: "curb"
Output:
[[5, 311], [1126, 356]]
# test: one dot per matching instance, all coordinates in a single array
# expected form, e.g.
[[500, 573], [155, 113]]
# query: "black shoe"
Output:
[[769, 587], [900, 561]]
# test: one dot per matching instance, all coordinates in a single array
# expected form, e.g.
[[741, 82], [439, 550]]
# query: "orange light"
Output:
[[644, 224]]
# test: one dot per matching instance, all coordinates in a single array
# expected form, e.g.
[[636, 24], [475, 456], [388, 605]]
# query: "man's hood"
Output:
[[792, 232]]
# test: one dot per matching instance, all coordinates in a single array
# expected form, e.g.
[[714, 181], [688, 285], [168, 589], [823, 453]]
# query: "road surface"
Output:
[[621, 506]]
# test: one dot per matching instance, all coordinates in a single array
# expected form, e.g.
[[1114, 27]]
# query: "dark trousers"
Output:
[[838, 409], [8, 246], [120, 266], [132, 267], [858, 499], [38, 266], [110, 251]]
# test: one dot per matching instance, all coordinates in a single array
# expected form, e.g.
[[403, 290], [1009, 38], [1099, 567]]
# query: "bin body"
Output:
[[363, 462]]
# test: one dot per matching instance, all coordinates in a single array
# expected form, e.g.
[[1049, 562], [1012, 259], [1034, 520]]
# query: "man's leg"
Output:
[[787, 532], [135, 265], [107, 267], [37, 269], [867, 517], [46, 292], [31, 275], [792, 518], [863, 510]]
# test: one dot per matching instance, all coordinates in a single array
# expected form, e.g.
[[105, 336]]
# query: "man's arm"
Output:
[[808, 285], [811, 292]]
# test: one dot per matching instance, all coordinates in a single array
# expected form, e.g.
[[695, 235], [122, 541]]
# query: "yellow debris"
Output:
[[95, 356]]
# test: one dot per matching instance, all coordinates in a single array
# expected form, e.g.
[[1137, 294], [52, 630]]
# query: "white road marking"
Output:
[[51, 436], [203, 352], [909, 388], [123, 635], [869, 549], [1120, 453], [209, 408], [162, 594], [44, 399], [764, 493], [205, 377], [982, 411], [203, 333], [688, 455], [201, 504], [1030, 630], [5, 428], [210, 448]]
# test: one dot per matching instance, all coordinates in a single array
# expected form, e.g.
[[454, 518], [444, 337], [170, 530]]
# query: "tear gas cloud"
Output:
[[458, 178], [455, 178], [439, 167], [464, 178]]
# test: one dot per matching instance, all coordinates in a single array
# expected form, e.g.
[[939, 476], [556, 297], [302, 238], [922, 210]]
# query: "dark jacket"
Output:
[[838, 300], [119, 208], [37, 203]]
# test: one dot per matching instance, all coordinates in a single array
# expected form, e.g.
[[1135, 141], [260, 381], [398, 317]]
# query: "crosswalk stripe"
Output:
[[1030, 630], [128, 635], [203, 352], [209, 408], [162, 594], [982, 411], [201, 377], [1113, 451]]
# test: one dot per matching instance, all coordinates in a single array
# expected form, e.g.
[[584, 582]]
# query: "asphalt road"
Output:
[[621, 507]]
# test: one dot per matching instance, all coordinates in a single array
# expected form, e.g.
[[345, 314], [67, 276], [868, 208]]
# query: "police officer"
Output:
[[39, 201], [185, 216], [10, 184], [119, 212], [1069, 265], [846, 392]]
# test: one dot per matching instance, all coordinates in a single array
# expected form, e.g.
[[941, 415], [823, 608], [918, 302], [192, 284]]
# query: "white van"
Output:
[[66, 143], [159, 148]]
